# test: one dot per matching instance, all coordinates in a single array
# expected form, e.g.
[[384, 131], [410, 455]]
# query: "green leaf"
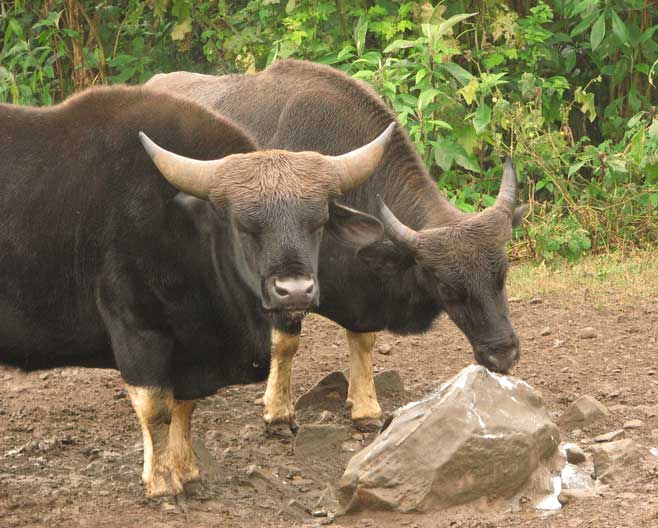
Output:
[[598, 32], [466, 161], [459, 73], [16, 27], [399, 44], [573, 169], [360, 32], [447, 25], [426, 97], [619, 29], [468, 92], [123, 76], [482, 119], [652, 131], [121, 60], [444, 155]]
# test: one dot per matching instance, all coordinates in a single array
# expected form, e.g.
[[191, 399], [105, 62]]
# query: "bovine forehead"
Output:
[[274, 176]]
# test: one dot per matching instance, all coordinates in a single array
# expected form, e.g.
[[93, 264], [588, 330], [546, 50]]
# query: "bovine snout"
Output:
[[499, 355], [293, 293]]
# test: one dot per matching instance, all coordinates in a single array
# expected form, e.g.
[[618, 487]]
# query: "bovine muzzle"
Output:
[[293, 293], [499, 355]]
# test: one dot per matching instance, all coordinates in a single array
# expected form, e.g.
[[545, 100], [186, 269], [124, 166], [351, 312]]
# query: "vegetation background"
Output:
[[567, 86]]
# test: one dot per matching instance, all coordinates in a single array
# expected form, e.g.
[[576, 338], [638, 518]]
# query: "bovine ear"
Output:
[[385, 259], [518, 214], [356, 228]]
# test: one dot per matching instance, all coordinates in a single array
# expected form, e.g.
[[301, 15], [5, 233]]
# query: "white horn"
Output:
[[191, 176], [359, 164]]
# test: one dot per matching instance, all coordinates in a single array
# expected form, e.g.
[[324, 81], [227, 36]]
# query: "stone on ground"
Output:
[[609, 437], [328, 393], [634, 424], [571, 495], [583, 412], [319, 441], [575, 455], [613, 459], [479, 435], [388, 383]]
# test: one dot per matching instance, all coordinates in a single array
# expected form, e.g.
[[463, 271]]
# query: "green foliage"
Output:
[[567, 87]]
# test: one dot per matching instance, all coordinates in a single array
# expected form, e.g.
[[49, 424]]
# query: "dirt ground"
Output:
[[70, 445]]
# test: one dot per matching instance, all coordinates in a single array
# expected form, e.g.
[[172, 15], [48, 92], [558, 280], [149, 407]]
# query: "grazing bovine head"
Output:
[[278, 203], [464, 266]]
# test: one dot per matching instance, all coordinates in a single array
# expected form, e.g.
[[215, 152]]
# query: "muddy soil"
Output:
[[70, 445]]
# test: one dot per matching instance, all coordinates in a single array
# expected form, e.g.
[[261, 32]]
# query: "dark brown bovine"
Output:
[[436, 258], [104, 263]]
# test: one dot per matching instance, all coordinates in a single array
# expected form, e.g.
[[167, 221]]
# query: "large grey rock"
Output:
[[612, 460], [583, 412], [479, 435]]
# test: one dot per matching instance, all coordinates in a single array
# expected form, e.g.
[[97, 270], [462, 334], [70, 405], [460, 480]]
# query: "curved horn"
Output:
[[359, 164], [186, 174], [507, 195], [399, 233]]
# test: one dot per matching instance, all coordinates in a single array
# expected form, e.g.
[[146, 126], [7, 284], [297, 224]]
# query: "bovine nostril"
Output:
[[280, 290]]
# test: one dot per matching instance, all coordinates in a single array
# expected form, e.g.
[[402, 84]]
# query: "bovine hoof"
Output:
[[164, 484], [189, 473], [367, 425], [282, 428]]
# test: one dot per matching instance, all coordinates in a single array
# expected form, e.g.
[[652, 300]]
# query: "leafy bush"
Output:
[[567, 87]]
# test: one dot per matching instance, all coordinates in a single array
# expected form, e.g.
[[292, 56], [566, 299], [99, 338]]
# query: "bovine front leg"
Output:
[[180, 441], [279, 409], [169, 460], [361, 395]]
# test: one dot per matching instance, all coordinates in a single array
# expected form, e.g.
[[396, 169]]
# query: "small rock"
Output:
[[44, 376], [609, 437], [250, 433], [613, 459], [571, 495], [583, 412], [326, 417], [634, 424], [327, 393], [546, 331], [388, 383], [293, 471], [259, 401], [319, 440], [385, 349], [535, 300], [587, 333], [575, 455], [319, 513]]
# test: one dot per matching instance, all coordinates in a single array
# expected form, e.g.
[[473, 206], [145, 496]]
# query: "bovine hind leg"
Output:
[[279, 409], [154, 407], [361, 395], [180, 441]]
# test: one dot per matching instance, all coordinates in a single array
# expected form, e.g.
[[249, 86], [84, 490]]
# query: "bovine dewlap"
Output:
[[479, 435]]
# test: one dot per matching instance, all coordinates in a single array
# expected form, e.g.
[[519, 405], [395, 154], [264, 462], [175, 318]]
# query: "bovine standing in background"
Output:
[[437, 259], [102, 264]]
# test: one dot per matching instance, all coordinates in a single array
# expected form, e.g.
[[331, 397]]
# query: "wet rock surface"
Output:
[[489, 436]]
